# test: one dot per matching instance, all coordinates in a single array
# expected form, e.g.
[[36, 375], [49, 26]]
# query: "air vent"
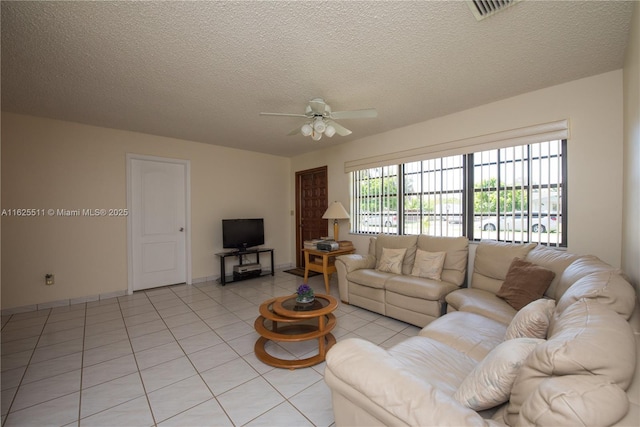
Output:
[[484, 8]]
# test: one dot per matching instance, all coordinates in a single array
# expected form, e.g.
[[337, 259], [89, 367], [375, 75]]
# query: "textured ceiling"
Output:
[[202, 71]]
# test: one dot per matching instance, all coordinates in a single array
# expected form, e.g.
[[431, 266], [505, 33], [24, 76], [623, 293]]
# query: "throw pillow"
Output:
[[391, 260], [428, 264], [525, 282], [532, 321], [489, 383]]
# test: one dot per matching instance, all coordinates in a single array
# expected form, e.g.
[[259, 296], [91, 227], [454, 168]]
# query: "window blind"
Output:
[[521, 136]]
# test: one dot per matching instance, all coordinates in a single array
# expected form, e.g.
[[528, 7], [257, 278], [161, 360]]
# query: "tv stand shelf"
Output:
[[224, 279]]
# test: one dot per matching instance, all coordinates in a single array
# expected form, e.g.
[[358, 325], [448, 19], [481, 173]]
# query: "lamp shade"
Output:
[[336, 211]]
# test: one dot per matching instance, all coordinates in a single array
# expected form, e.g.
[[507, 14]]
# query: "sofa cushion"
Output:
[[525, 282], [398, 242], [606, 287], [552, 259], [391, 260], [490, 382], [492, 262], [581, 267], [532, 321], [587, 339], [481, 302], [454, 331], [428, 264], [419, 287], [455, 263]]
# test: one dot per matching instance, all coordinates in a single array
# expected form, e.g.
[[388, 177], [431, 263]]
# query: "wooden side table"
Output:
[[286, 320], [327, 267]]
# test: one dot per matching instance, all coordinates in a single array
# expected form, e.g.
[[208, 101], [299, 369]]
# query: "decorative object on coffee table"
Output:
[[283, 319], [305, 294]]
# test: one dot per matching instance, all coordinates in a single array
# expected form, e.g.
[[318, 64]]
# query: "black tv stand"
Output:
[[224, 279]]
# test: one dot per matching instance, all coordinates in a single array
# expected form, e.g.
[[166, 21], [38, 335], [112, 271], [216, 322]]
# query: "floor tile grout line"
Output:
[[198, 373], [29, 364], [84, 337], [26, 369], [213, 396], [144, 388], [121, 403]]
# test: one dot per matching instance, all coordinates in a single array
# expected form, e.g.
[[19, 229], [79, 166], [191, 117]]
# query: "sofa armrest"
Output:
[[364, 372], [573, 400], [345, 264], [356, 262]]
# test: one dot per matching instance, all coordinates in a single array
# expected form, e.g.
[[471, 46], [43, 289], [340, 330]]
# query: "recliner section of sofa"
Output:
[[412, 299]]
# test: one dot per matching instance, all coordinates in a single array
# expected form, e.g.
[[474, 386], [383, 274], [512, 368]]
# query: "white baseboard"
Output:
[[108, 295]]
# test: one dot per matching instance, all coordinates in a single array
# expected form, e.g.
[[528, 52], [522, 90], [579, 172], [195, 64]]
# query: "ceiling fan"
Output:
[[320, 120]]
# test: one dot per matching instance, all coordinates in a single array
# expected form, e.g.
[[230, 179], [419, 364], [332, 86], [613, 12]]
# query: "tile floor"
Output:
[[172, 356]]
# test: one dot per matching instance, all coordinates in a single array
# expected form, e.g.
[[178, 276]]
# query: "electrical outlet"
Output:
[[49, 279]]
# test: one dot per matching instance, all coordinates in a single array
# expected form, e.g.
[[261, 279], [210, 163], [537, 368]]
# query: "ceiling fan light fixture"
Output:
[[306, 129], [330, 131], [319, 125], [316, 136]]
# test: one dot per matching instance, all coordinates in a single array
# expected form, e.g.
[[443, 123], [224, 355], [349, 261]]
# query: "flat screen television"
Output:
[[242, 234]]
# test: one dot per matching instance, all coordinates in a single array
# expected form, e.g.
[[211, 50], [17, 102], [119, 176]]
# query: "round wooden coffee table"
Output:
[[286, 320]]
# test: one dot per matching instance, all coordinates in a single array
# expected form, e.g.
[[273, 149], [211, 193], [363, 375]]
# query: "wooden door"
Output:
[[311, 203]]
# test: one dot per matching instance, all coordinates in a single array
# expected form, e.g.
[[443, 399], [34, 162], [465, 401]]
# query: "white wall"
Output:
[[62, 165], [54, 164], [631, 225], [594, 107]]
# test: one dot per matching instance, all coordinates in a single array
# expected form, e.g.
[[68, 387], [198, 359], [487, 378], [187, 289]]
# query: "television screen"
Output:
[[242, 233]]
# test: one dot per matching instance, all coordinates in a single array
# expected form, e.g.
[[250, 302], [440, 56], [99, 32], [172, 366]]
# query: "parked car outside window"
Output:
[[518, 221], [389, 219]]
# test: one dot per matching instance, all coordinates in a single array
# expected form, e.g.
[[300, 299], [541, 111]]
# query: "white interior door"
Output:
[[158, 223]]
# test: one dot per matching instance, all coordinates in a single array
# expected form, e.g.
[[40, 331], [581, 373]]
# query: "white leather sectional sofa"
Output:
[[568, 359]]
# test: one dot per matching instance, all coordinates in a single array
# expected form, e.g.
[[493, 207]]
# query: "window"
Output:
[[511, 194], [433, 195], [517, 193], [374, 200]]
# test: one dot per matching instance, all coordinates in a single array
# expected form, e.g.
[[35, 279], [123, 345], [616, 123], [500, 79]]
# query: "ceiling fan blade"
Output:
[[294, 131], [355, 114], [283, 114], [340, 130]]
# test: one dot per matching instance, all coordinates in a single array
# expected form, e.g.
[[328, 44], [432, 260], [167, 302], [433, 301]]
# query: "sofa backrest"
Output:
[[608, 288], [581, 267], [578, 376], [456, 248], [456, 260], [492, 262], [552, 259]]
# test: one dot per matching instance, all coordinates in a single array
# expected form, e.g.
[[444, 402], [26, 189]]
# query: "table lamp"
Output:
[[335, 212]]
